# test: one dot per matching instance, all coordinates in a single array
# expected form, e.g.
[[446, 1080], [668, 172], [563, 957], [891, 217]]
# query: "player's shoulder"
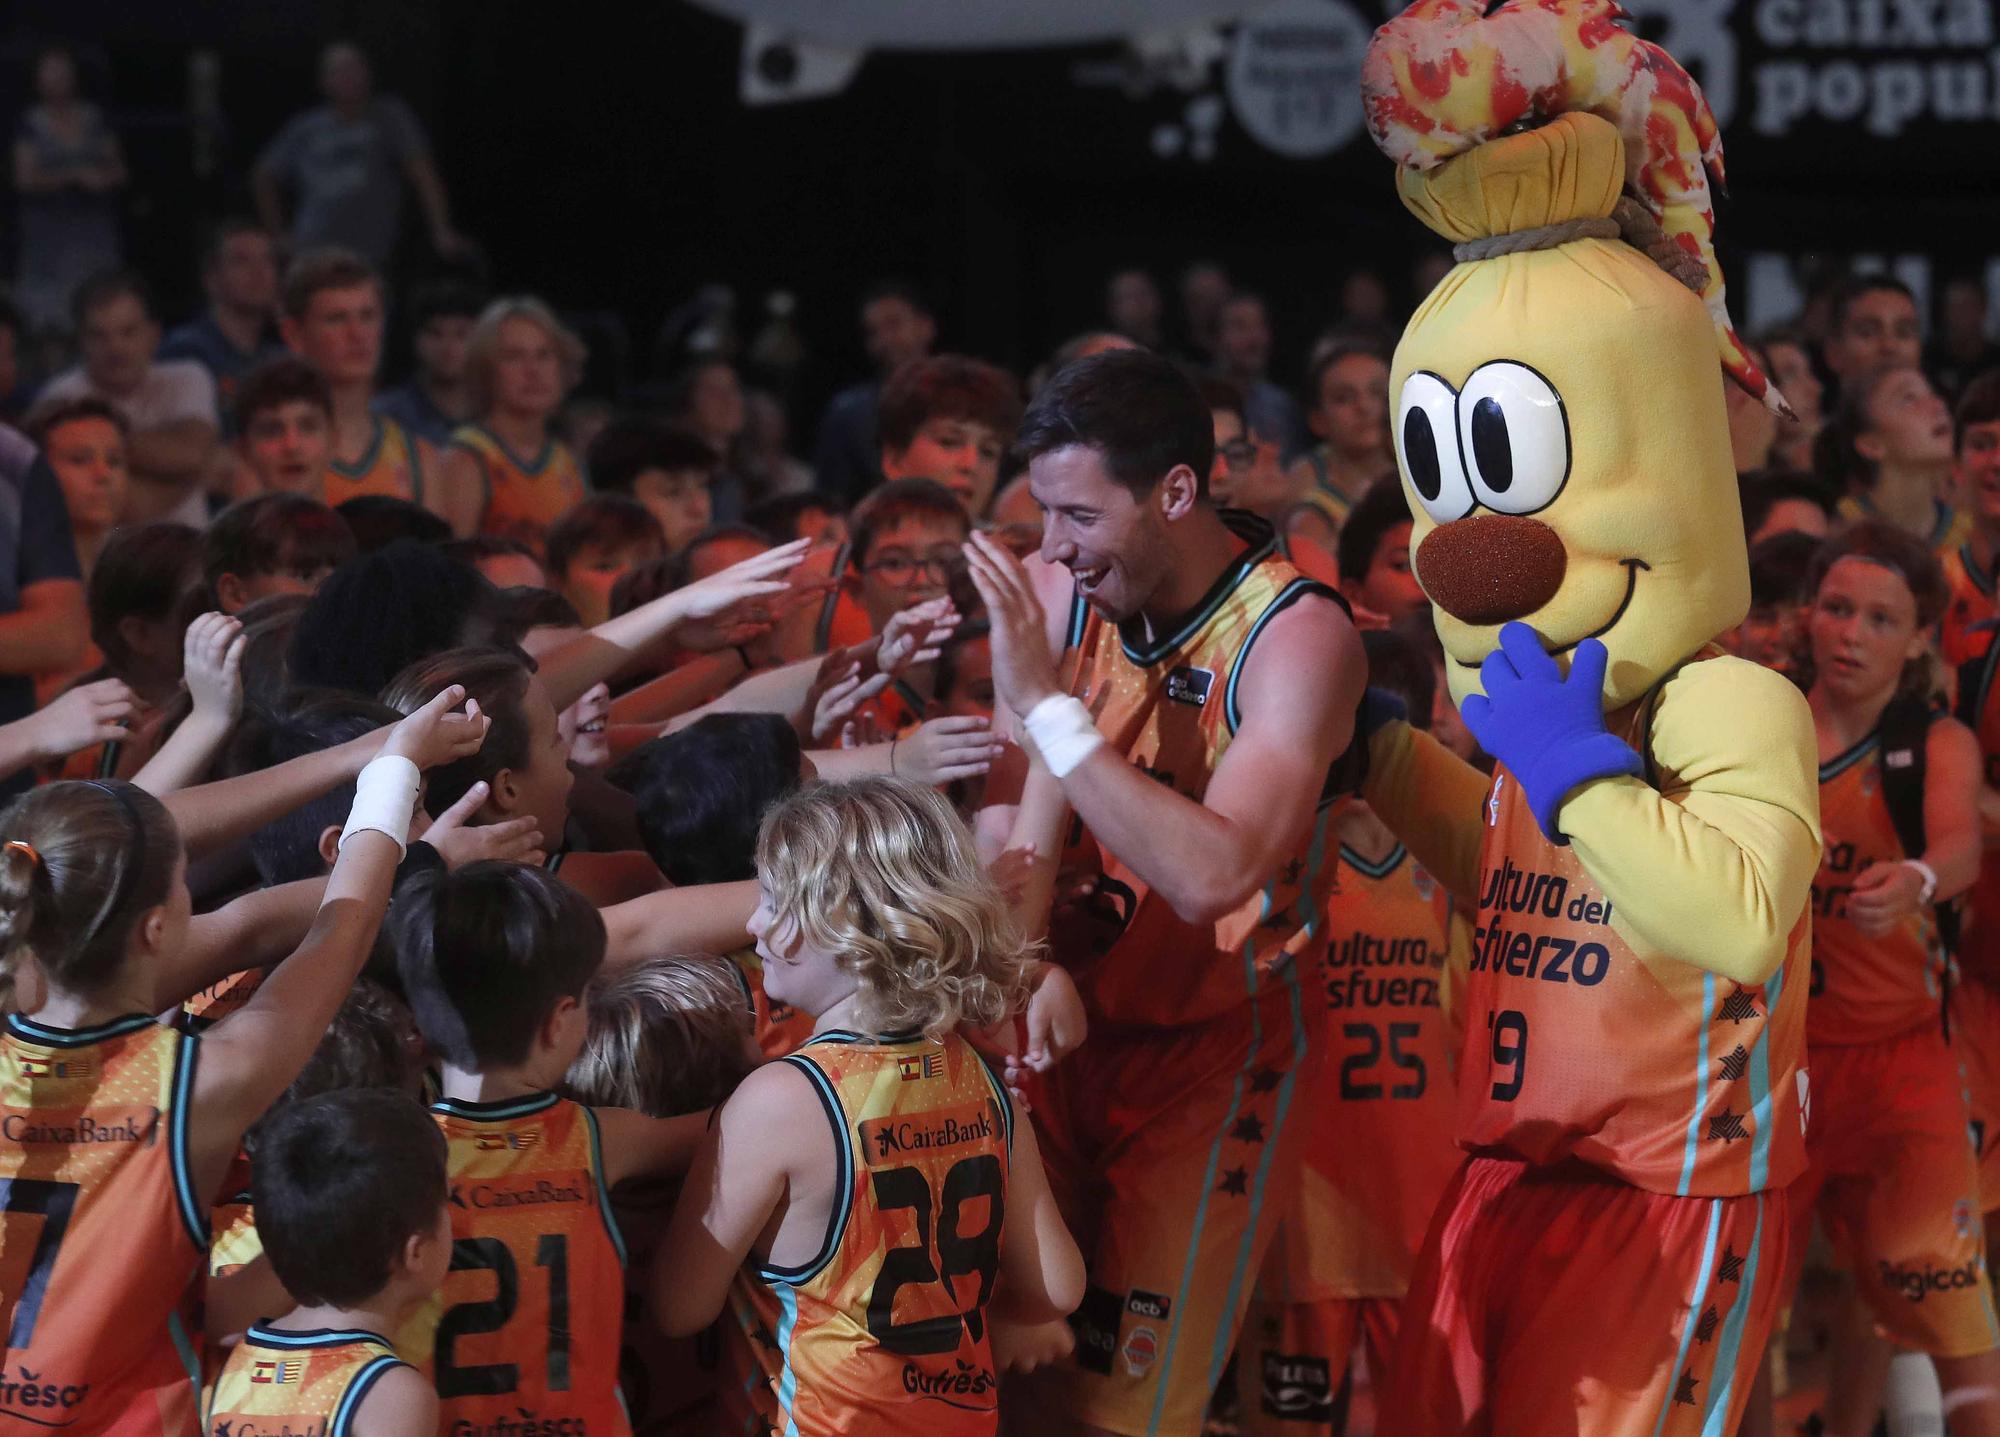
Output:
[[400, 1402], [1306, 632]]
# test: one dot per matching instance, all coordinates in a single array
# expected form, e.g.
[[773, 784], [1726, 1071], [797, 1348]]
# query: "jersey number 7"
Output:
[[53, 1202]]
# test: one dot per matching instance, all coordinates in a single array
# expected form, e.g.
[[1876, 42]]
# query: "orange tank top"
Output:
[[1661, 1074], [392, 466], [1960, 635], [524, 498], [884, 1332], [780, 1028], [282, 1382], [1170, 707], [1385, 1089], [101, 1229], [526, 1329], [1864, 989]]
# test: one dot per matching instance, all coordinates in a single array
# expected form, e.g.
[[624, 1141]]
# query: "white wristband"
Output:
[[1062, 730], [384, 798], [1928, 874]]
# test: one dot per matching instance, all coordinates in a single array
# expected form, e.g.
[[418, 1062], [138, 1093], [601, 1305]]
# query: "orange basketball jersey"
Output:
[[1576, 1045], [101, 1230], [1384, 1090], [780, 1027], [526, 1329], [1170, 707], [1972, 604], [523, 497], [1865, 989], [297, 1382], [884, 1331], [392, 466]]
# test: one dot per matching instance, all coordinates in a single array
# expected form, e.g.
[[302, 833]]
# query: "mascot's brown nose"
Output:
[[1490, 568]]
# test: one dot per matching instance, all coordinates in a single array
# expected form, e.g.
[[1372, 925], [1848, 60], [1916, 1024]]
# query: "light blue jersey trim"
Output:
[[1701, 1077], [1694, 1312], [597, 1180], [788, 1379], [357, 1392], [1722, 1377], [1760, 1087]]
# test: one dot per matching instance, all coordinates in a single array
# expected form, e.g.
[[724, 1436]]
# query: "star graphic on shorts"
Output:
[[1279, 917], [1704, 1330], [1249, 1130], [1732, 1266], [1738, 1008], [1292, 871], [1235, 1183], [1727, 1126], [1735, 1065], [1684, 1392], [1264, 1080]]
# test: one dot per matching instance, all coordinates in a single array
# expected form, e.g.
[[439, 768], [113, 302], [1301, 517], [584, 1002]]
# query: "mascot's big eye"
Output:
[[1427, 445], [1515, 437]]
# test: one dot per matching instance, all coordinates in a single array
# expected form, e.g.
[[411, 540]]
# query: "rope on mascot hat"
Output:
[[1629, 220]]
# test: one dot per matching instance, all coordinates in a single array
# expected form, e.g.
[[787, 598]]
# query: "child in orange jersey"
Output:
[[350, 1195], [495, 959], [1969, 568], [506, 473], [869, 1204], [667, 1036], [112, 1136], [1891, 1169]]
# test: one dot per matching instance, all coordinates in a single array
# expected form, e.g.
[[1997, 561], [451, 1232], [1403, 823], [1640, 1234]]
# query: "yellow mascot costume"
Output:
[[1631, 1087]]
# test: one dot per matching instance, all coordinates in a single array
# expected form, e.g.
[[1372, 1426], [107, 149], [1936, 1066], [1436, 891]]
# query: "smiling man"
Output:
[[1190, 691]]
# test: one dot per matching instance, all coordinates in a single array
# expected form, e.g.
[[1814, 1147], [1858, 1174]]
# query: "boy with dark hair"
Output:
[[662, 466], [436, 400], [273, 544], [1374, 556], [495, 959], [702, 792], [1975, 470], [596, 544], [1872, 324], [905, 551], [333, 319], [949, 418], [1778, 501], [284, 428], [350, 1195]]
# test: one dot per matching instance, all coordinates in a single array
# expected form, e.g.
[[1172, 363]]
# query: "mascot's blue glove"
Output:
[[1549, 731]]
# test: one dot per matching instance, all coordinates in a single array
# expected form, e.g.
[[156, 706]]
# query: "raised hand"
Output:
[[837, 690], [709, 612], [915, 636], [212, 657], [434, 735], [87, 714], [459, 842], [944, 750], [1024, 671]]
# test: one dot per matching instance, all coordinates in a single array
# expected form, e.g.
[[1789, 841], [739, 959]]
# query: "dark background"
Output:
[[602, 158]]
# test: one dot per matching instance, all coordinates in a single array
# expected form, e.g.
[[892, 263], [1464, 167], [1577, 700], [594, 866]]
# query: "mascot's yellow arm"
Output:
[[1712, 868]]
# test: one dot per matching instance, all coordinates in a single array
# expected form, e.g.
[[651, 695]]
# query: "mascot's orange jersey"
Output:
[[297, 1382], [1385, 1089], [1865, 989], [526, 1330], [393, 466], [1664, 1075], [100, 1227], [523, 497], [884, 1331], [1170, 707]]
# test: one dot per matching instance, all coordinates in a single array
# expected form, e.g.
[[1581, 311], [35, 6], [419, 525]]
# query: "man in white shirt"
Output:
[[168, 404]]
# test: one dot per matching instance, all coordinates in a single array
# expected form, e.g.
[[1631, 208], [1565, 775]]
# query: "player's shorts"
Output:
[[1557, 1299], [1975, 1036], [1171, 1153], [1891, 1172], [1292, 1357]]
